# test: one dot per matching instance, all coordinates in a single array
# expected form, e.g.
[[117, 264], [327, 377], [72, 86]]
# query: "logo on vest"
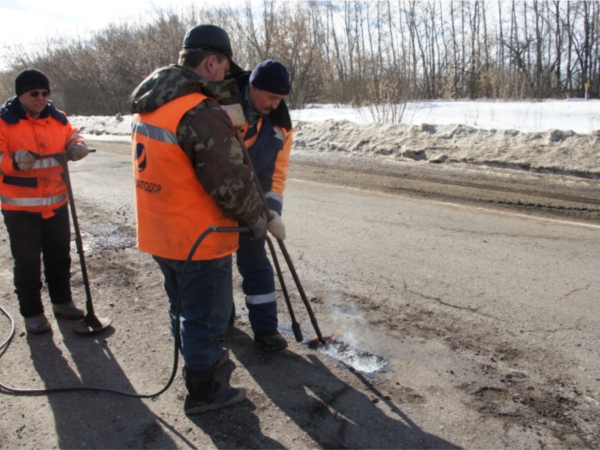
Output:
[[140, 157], [150, 188]]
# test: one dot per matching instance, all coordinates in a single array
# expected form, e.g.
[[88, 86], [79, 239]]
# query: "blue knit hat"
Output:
[[271, 76]]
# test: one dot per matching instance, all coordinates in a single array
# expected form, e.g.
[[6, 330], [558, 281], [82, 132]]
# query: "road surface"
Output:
[[480, 289]]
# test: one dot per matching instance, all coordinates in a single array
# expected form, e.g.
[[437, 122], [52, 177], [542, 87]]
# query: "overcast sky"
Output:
[[30, 22]]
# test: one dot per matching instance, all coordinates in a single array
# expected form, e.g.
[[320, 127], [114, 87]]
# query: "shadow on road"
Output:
[[236, 427], [90, 419], [330, 411]]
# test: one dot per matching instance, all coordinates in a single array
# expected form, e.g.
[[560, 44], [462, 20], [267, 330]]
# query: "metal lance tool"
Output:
[[90, 323], [282, 247], [295, 325]]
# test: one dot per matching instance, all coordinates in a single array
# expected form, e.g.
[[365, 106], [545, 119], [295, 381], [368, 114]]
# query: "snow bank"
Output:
[[103, 128], [576, 115], [553, 151], [348, 132]]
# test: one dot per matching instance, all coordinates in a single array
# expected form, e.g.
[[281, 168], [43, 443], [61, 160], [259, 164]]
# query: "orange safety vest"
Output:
[[244, 131], [172, 207], [42, 189], [278, 175]]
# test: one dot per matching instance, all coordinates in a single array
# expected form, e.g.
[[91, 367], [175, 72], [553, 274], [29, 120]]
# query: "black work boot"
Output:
[[205, 394], [270, 341]]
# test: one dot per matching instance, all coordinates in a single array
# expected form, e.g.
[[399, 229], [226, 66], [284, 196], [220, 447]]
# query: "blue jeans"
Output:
[[205, 308]]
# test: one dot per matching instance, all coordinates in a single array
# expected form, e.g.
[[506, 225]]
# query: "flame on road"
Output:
[[354, 358]]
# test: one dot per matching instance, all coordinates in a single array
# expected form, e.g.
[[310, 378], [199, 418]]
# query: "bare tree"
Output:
[[357, 52]]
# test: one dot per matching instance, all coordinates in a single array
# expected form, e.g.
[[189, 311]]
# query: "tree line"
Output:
[[357, 52]]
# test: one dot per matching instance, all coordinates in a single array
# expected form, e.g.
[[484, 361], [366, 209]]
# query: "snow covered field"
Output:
[[578, 115], [554, 136]]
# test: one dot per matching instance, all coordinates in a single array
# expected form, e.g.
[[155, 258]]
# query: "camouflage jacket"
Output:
[[206, 135]]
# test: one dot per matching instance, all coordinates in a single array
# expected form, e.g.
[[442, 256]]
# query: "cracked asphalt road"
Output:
[[487, 314]]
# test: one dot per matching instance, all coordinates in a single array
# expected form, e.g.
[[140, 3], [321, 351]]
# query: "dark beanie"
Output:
[[271, 76], [30, 79]]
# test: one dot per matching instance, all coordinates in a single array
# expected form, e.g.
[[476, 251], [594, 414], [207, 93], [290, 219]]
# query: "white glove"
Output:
[[236, 114], [276, 226], [24, 160], [77, 151]]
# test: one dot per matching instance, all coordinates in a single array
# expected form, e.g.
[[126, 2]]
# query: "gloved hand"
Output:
[[276, 226], [77, 151], [236, 114], [258, 230], [24, 160]]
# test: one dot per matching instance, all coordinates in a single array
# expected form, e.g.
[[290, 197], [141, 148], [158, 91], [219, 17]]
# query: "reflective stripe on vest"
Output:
[[73, 136], [40, 163], [153, 132], [172, 206], [33, 201], [45, 163]]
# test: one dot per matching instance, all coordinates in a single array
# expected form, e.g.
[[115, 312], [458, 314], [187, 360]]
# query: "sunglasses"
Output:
[[37, 93]]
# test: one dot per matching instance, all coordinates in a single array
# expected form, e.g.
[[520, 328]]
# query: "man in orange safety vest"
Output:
[[189, 174], [34, 197]]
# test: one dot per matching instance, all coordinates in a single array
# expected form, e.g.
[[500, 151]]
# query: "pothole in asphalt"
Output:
[[108, 236], [353, 358], [347, 355]]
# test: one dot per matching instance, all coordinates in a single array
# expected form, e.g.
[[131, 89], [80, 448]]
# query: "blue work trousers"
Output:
[[258, 284], [206, 305]]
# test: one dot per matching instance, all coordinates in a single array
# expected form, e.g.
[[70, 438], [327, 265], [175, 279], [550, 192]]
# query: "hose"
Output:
[[8, 390]]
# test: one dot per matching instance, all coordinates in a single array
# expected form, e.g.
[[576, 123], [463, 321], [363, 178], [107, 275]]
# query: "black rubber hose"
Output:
[[8, 390]]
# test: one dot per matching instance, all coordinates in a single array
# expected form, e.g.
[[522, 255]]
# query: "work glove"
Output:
[[258, 230], [77, 151], [276, 226], [236, 114], [24, 160]]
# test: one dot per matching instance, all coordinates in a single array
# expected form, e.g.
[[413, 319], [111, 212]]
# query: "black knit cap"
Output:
[[30, 79], [271, 76], [212, 38]]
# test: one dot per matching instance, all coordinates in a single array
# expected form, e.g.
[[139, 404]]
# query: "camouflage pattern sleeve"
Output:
[[206, 135]]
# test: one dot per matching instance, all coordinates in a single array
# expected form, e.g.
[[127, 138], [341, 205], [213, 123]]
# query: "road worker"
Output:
[[189, 174], [268, 136], [34, 197]]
